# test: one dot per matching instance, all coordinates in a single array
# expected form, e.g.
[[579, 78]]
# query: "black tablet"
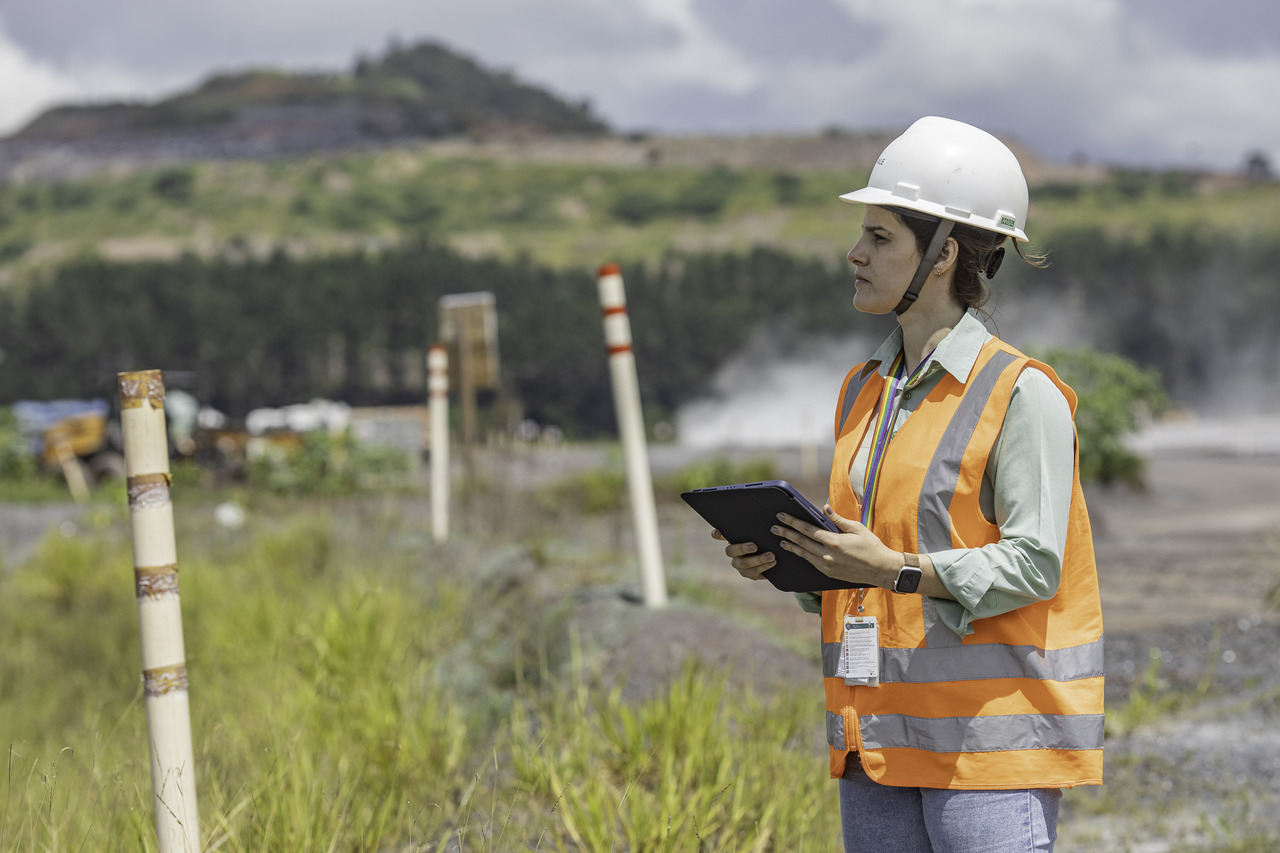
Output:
[[745, 512]]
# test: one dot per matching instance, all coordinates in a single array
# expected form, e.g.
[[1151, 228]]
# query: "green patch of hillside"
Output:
[[561, 214], [558, 214]]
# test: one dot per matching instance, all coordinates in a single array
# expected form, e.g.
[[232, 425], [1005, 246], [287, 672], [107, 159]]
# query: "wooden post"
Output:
[[164, 664], [438, 400], [626, 398], [467, 391], [72, 471], [469, 325]]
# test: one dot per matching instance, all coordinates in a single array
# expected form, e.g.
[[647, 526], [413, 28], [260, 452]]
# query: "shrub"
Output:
[[721, 471], [1115, 396], [636, 207], [787, 187], [708, 193], [17, 462], [325, 464], [176, 185]]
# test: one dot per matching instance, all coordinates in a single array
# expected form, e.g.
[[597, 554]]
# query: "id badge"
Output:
[[860, 651]]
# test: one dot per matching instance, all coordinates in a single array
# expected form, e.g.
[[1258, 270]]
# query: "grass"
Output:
[[355, 687], [557, 214]]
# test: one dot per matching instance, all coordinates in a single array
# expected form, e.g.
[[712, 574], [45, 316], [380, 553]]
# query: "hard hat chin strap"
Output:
[[940, 235]]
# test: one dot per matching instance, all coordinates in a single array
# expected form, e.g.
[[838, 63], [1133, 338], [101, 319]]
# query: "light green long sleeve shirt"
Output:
[[1026, 488]]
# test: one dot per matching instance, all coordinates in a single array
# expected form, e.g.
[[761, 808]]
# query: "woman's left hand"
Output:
[[855, 554]]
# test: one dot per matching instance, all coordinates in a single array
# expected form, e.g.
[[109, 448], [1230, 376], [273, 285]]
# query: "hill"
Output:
[[421, 91]]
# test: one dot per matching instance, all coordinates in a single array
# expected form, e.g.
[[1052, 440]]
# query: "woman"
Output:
[[964, 681]]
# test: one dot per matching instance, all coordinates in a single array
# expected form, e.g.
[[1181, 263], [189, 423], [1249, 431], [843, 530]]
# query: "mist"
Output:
[[782, 394], [773, 394]]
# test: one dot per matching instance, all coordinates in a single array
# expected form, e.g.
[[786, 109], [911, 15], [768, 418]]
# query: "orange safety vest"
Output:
[[1018, 702]]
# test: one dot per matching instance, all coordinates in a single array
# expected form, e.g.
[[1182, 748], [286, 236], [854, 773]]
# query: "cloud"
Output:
[[1136, 81], [29, 85], [25, 85]]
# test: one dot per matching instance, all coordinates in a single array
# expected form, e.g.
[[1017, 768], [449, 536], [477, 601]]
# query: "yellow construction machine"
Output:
[[75, 437]]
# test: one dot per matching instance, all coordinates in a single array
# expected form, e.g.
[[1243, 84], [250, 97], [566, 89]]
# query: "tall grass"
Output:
[[351, 690]]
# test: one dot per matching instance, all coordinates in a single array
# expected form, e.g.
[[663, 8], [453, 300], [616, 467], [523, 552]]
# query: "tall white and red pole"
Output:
[[626, 399], [164, 662], [438, 398]]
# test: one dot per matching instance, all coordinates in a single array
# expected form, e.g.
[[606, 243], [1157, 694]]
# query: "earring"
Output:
[[938, 271]]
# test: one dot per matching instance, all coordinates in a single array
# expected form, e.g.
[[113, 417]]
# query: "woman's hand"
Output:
[[745, 559], [855, 554]]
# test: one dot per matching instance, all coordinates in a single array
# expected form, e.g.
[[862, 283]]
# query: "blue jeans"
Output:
[[931, 820]]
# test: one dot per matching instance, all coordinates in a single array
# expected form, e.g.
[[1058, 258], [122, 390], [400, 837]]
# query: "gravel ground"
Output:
[[22, 526]]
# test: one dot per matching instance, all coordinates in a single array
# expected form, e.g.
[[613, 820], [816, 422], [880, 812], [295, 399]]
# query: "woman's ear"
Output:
[[947, 257]]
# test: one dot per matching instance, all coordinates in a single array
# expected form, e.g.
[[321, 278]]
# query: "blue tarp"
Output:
[[36, 416]]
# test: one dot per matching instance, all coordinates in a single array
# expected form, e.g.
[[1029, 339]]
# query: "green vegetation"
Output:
[[354, 689], [561, 215], [352, 327], [1115, 398], [318, 276], [322, 463], [17, 462]]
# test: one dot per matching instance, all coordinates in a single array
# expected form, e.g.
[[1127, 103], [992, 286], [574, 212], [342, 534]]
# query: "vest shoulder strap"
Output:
[[853, 385]]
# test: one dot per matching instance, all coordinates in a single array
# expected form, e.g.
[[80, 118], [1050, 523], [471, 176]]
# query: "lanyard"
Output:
[[883, 426]]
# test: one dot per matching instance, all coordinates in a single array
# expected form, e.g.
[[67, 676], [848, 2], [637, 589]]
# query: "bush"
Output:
[[636, 207], [721, 471], [17, 462], [787, 188], [325, 464], [14, 248], [176, 185], [1115, 397], [66, 196], [708, 193]]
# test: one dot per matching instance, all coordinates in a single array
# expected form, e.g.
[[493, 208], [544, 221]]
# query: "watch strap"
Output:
[[909, 576]]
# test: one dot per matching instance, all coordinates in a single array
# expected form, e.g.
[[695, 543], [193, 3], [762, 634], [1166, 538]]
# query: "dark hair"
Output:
[[979, 253]]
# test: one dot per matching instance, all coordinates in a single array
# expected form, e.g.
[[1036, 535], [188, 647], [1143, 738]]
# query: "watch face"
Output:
[[908, 579]]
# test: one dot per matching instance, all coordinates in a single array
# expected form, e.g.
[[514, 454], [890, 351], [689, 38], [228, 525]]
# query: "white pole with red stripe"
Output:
[[626, 399], [438, 397]]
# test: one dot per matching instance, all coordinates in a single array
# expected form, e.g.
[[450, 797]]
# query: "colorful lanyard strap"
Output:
[[883, 426]]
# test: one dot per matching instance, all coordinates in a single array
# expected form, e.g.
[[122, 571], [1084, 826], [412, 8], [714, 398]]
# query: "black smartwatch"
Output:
[[909, 575]]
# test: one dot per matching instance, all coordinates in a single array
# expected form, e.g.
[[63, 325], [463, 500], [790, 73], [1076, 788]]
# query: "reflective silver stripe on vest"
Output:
[[835, 731], [937, 634], [933, 520], [830, 659], [991, 660], [933, 530], [982, 734], [979, 662], [850, 396]]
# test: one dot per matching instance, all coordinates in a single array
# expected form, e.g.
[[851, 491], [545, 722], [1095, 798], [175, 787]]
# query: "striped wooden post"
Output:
[[164, 664], [438, 399], [626, 398]]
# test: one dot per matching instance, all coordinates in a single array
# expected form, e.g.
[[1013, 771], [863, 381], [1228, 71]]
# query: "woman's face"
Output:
[[886, 257]]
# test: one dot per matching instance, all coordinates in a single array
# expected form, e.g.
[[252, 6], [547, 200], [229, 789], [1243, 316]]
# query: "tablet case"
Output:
[[744, 512]]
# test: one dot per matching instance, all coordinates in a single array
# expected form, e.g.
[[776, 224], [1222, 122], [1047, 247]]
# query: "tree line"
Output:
[[355, 327]]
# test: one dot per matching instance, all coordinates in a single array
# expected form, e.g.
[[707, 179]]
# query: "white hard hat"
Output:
[[950, 170]]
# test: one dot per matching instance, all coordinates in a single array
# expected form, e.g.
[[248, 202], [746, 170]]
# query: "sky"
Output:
[[1144, 83]]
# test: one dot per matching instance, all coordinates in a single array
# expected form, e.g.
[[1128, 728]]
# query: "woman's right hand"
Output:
[[744, 558]]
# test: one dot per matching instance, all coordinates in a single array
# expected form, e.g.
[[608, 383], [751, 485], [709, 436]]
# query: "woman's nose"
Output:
[[853, 256]]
